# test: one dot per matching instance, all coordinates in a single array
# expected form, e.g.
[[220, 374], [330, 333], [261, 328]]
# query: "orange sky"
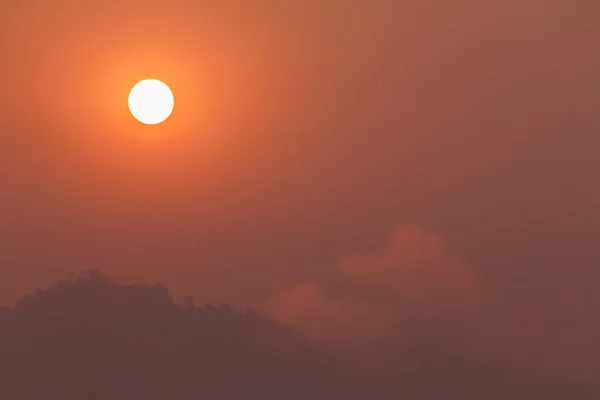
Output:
[[303, 132]]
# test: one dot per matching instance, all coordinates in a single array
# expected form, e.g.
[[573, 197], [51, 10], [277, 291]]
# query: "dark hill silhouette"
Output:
[[91, 338]]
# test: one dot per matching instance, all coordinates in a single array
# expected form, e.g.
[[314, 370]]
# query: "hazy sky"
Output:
[[456, 138]]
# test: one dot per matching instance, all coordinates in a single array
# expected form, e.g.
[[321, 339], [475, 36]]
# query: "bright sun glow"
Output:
[[151, 101]]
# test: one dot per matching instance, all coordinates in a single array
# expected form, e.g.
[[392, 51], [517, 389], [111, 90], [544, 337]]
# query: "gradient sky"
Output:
[[306, 134]]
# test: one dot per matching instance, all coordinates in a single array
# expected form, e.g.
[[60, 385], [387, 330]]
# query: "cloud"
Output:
[[416, 266], [334, 319], [413, 295], [412, 279], [414, 307]]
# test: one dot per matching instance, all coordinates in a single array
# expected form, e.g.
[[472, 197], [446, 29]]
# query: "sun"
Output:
[[151, 101]]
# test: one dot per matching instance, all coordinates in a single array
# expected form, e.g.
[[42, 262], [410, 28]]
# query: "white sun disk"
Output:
[[151, 101]]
